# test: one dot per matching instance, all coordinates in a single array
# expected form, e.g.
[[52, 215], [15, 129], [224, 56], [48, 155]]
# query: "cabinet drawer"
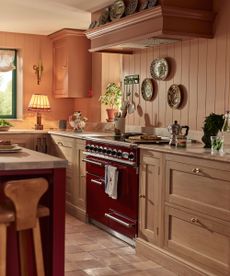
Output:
[[62, 141], [201, 187], [197, 238]]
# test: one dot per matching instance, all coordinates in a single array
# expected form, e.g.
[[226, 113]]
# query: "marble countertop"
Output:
[[192, 150], [28, 159], [80, 135]]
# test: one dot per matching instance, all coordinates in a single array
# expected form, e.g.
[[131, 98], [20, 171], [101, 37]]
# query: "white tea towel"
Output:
[[111, 179]]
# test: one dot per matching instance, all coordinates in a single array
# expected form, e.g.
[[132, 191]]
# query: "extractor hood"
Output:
[[170, 21]]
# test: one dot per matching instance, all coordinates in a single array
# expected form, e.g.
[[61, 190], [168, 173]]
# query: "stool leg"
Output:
[[3, 228], [38, 249], [23, 244]]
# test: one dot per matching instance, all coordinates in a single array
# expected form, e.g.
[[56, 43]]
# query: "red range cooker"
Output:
[[118, 216]]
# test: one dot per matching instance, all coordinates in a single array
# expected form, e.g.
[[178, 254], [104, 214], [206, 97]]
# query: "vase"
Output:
[[111, 114]]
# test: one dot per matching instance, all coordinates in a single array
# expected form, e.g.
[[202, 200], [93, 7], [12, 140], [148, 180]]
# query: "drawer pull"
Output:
[[196, 170], [142, 196], [96, 182], [194, 220]]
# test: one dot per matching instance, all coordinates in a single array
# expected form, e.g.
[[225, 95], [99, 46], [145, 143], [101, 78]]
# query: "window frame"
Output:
[[14, 89]]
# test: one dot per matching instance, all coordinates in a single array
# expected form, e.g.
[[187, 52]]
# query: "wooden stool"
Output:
[[25, 195]]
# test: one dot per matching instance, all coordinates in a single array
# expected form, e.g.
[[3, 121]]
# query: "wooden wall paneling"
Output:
[[185, 77], [177, 77], [137, 64], [132, 87], [170, 81], [211, 76], [227, 91], [148, 104], [220, 74], [162, 92], [193, 84], [155, 101], [202, 82], [143, 74]]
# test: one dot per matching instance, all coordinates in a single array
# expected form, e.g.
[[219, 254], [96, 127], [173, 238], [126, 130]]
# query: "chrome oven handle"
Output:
[[92, 162], [128, 225], [96, 182]]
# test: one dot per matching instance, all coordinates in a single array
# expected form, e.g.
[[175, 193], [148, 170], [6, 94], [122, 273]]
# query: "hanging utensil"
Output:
[[132, 106]]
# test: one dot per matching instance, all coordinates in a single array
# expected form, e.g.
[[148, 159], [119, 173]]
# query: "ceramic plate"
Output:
[[117, 10], [143, 4], [104, 18], [152, 3], [147, 89], [4, 128], [13, 150], [174, 96], [130, 6], [159, 69]]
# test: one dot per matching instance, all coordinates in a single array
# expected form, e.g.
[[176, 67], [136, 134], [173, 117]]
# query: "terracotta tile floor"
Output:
[[91, 251]]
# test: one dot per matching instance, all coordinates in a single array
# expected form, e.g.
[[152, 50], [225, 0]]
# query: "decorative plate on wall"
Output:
[[147, 89], [130, 6], [117, 10], [174, 96], [159, 69]]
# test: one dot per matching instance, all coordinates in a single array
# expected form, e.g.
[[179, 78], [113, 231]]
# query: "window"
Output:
[[8, 74]]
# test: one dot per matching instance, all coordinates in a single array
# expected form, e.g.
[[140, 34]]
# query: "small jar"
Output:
[[181, 141]]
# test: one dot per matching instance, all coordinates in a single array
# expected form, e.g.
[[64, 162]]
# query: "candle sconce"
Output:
[[38, 71]]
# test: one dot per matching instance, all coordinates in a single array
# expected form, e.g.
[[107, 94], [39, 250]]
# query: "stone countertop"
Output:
[[192, 150], [28, 159], [80, 135], [24, 131]]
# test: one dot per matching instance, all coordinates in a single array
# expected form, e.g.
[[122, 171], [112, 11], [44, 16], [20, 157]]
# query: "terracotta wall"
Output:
[[32, 48], [201, 66]]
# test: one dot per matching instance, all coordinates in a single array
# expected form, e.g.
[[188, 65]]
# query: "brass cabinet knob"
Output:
[[196, 170], [194, 220], [142, 196]]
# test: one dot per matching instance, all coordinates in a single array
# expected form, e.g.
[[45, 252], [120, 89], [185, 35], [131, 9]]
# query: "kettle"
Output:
[[175, 130]]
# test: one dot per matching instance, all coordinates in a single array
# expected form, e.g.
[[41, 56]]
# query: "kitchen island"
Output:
[[26, 164]]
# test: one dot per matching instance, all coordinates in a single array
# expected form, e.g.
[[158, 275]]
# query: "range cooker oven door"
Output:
[[119, 214]]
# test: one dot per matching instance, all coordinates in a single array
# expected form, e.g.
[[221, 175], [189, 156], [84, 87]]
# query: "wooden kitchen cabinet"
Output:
[[71, 149], [193, 214], [150, 180], [72, 64]]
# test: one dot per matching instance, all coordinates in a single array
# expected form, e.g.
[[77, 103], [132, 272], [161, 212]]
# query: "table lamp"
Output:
[[39, 103]]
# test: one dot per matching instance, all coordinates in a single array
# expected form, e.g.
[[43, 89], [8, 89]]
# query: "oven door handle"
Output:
[[92, 162], [96, 182], [128, 225]]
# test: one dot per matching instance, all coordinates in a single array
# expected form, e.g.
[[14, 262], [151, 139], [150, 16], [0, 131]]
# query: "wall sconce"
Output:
[[38, 71], [39, 103]]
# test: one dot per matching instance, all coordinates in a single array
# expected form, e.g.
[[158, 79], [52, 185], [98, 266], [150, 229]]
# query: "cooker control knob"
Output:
[[131, 156], [96, 148], [104, 150], [114, 152], [125, 155], [109, 151], [119, 153], [87, 147], [100, 149], [92, 147]]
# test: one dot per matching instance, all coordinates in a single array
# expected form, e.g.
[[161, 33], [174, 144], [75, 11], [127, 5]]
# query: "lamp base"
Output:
[[38, 127]]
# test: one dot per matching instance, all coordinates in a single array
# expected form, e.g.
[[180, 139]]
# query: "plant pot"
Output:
[[111, 114]]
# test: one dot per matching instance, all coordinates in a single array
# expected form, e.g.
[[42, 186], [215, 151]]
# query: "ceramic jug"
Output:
[[175, 130]]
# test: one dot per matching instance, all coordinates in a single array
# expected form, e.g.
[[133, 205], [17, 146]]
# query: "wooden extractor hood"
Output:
[[168, 22]]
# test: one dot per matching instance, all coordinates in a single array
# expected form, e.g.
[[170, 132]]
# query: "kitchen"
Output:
[[201, 67]]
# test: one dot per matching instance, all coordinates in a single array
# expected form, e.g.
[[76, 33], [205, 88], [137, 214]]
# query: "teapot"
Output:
[[175, 130]]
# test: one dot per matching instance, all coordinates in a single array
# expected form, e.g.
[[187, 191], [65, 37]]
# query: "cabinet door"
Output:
[[61, 69], [148, 197], [200, 239], [80, 176]]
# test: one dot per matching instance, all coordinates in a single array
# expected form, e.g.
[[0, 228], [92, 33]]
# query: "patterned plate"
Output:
[[143, 4], [174, 96], [117, 10], [130, 6], [152, 3], [147, 88], [104, 18], [159, 69]]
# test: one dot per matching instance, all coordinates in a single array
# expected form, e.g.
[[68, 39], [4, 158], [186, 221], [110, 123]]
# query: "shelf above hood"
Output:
[[162, 24]]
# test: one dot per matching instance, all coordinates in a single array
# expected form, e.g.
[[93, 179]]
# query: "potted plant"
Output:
[[111, 98], [212, 125]]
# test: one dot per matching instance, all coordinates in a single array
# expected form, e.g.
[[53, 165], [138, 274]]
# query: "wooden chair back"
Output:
[[25, 195]]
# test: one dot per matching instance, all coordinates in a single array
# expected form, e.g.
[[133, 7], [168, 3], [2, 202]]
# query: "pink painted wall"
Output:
[[201, 66], [32, 48]]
